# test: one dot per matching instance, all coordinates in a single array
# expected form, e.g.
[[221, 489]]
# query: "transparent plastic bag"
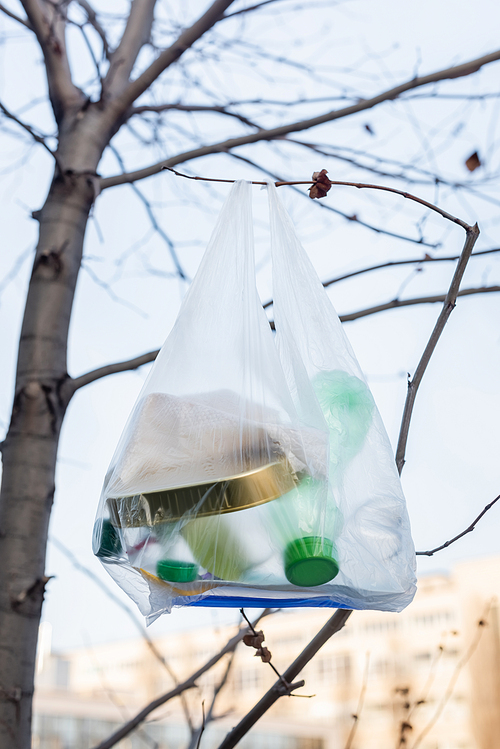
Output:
[[255, 469]]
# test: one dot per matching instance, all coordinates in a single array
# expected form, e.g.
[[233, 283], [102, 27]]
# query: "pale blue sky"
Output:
[[452, 458]]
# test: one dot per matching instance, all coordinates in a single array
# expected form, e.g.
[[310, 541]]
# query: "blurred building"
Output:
[[428, 677]]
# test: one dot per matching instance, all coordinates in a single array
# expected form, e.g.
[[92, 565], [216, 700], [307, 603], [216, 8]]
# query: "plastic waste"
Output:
[[254, 469]]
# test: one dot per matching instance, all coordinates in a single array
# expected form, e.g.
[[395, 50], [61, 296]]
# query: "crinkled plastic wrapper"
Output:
[[255, 469]]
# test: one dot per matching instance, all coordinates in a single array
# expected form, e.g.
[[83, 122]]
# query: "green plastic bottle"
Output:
[[306, 519]]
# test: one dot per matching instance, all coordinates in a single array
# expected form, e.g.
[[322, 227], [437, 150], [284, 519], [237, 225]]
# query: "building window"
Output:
[[334, 669], [423, 656], [247, 678]]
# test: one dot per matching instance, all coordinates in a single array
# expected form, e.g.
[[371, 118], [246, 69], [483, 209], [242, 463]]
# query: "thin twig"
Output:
[[159, 108], [202, 725], [395, 263], [94, 21], [38, 138], [210, 716], [136, 621], [287, 686], [325, 206], [333, 625], [472, 66], [422, 700], [249, 8], [339, 183], [189, 683], [72, 385], [472, 233], [359, 708], [395, 303], [456, 673], [252, 629], [156, 226], [12, 15], [471, 527]]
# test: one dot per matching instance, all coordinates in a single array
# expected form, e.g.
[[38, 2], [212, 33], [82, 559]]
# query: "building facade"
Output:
[[428, 678]]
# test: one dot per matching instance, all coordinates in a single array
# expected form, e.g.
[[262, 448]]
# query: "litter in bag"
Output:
[[255, 469]]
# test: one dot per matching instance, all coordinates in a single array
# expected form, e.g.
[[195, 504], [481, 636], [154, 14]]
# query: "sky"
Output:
[[123, 308]]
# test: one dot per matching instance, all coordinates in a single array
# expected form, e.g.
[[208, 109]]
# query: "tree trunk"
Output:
[[30, 448]]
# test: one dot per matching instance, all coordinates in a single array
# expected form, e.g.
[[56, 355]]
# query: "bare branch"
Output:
[[456, 673], [94, 22], [189, 683], [109, 369], [250, 8], [280, 132], [9, 13], [333, 625], [326, 207], [137, 33], [109, 593], [359, 185], [471, 527], [38, 138], [125, 366], [409, 302], [159, 108], [361, 700], [394, 264], [135, 619], [49, 24], [185, 40], [154, 222], [196, 735], [472, 234]]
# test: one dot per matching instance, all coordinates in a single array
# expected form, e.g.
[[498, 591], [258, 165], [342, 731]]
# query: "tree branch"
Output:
[[197, 734], [359, 185], [135, 619], [333, 625], [49, 24], [9, 13], [38, 138], [472, 234], [327, 207], [158, 108], [280, 132], [409, 302], [394, 264], [189, 683], [136, 34], [453, 680], [361, 701], [109, 593], [185, 40], [156, 226], [94, 22], [109, 369], [250, 8], [130, 364], [471, 527]]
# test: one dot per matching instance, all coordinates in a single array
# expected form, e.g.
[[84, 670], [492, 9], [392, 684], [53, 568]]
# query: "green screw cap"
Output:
[[309, 561], [176, 572], [110, 545]]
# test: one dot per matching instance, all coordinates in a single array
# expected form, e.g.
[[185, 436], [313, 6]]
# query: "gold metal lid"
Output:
[[201, 500]]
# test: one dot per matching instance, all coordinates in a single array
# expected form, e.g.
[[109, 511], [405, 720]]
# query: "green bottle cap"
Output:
[[309, 561], [176, 572], [110, 545]]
